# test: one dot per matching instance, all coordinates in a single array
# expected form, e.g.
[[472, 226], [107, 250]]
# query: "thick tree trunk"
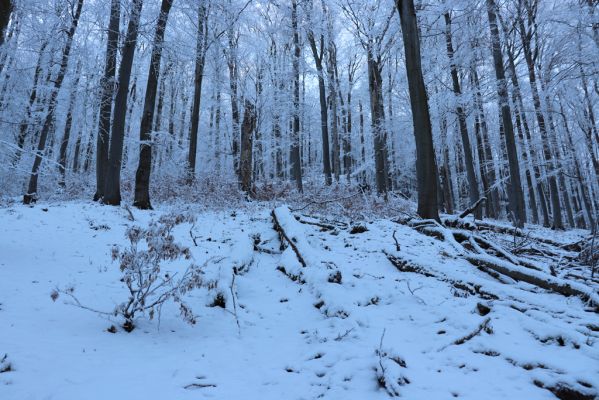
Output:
[[112, 190], [6, 7], [31, 195], [473, 192], [324, 119], [107, 93], [515, 194], [142, 177], [247, 139], [426, 169]]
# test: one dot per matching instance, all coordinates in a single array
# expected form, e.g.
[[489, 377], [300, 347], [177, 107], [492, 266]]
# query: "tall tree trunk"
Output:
[[232, 63], [107, 93], [31, 195], [469, 159], [112, 190], [525, 36], [375, 86], [515, 194], [142, 176], [296, 165], [24, 126], [197, 90], [335, 155], [247, 139], [6, 7], [526, 141], [64, 144], [426, 169], [324, 119]]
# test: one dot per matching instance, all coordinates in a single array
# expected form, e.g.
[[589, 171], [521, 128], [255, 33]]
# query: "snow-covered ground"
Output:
[[348, 322]]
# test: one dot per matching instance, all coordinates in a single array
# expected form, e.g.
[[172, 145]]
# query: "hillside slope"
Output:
[[336, 314]]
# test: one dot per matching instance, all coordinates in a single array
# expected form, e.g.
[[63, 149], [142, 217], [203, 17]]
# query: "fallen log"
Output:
[[539, 279], [404, 265], [284, 236]]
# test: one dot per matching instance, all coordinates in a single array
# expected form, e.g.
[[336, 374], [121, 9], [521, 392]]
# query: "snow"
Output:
[[285, 347]]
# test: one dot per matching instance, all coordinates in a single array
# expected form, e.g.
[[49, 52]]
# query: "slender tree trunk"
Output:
[[296, 165], [526, 141], [112, 190], [232, 63], [24, 126], [142, 177], [197, 91], [375, 85], [516, 196], [324, 119], [64, 144], [553, 187], [247, 139], [107, 93], [469, 159], [31, 195], [335, 155], [426, 169]]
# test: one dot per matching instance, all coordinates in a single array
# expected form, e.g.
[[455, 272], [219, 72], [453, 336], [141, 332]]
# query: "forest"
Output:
[[401, 196]]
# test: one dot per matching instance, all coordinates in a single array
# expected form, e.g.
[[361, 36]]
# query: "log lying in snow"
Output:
[[280, 217], [539, 279], [404, 265], [502, 261]]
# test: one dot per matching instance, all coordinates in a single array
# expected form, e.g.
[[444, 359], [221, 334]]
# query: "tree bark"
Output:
[[324, 119], [24, 126], [112, 190], [106, 95], [31, 195], [64, 144], [248, 128], [296, 162], [6, 7], [142, 177], [197, 91], [426, 169]]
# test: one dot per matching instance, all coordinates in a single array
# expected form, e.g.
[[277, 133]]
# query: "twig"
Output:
[[478, 330], [324, 202], [397, 246], [234, 301], [131, 217]]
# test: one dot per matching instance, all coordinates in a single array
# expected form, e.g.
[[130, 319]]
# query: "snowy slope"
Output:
[[303, 339]]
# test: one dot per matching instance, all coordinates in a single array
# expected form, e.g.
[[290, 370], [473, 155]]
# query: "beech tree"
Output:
[[426, 169], [112, 190], [142, 177]]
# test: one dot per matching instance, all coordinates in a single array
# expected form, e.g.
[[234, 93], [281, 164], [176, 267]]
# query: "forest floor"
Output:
[[348, 325]]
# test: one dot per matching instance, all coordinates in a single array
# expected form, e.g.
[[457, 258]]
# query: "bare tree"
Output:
[[426, 169], [142, 177], [31, 195], [112, 190], [515, 194], [107, 93]]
